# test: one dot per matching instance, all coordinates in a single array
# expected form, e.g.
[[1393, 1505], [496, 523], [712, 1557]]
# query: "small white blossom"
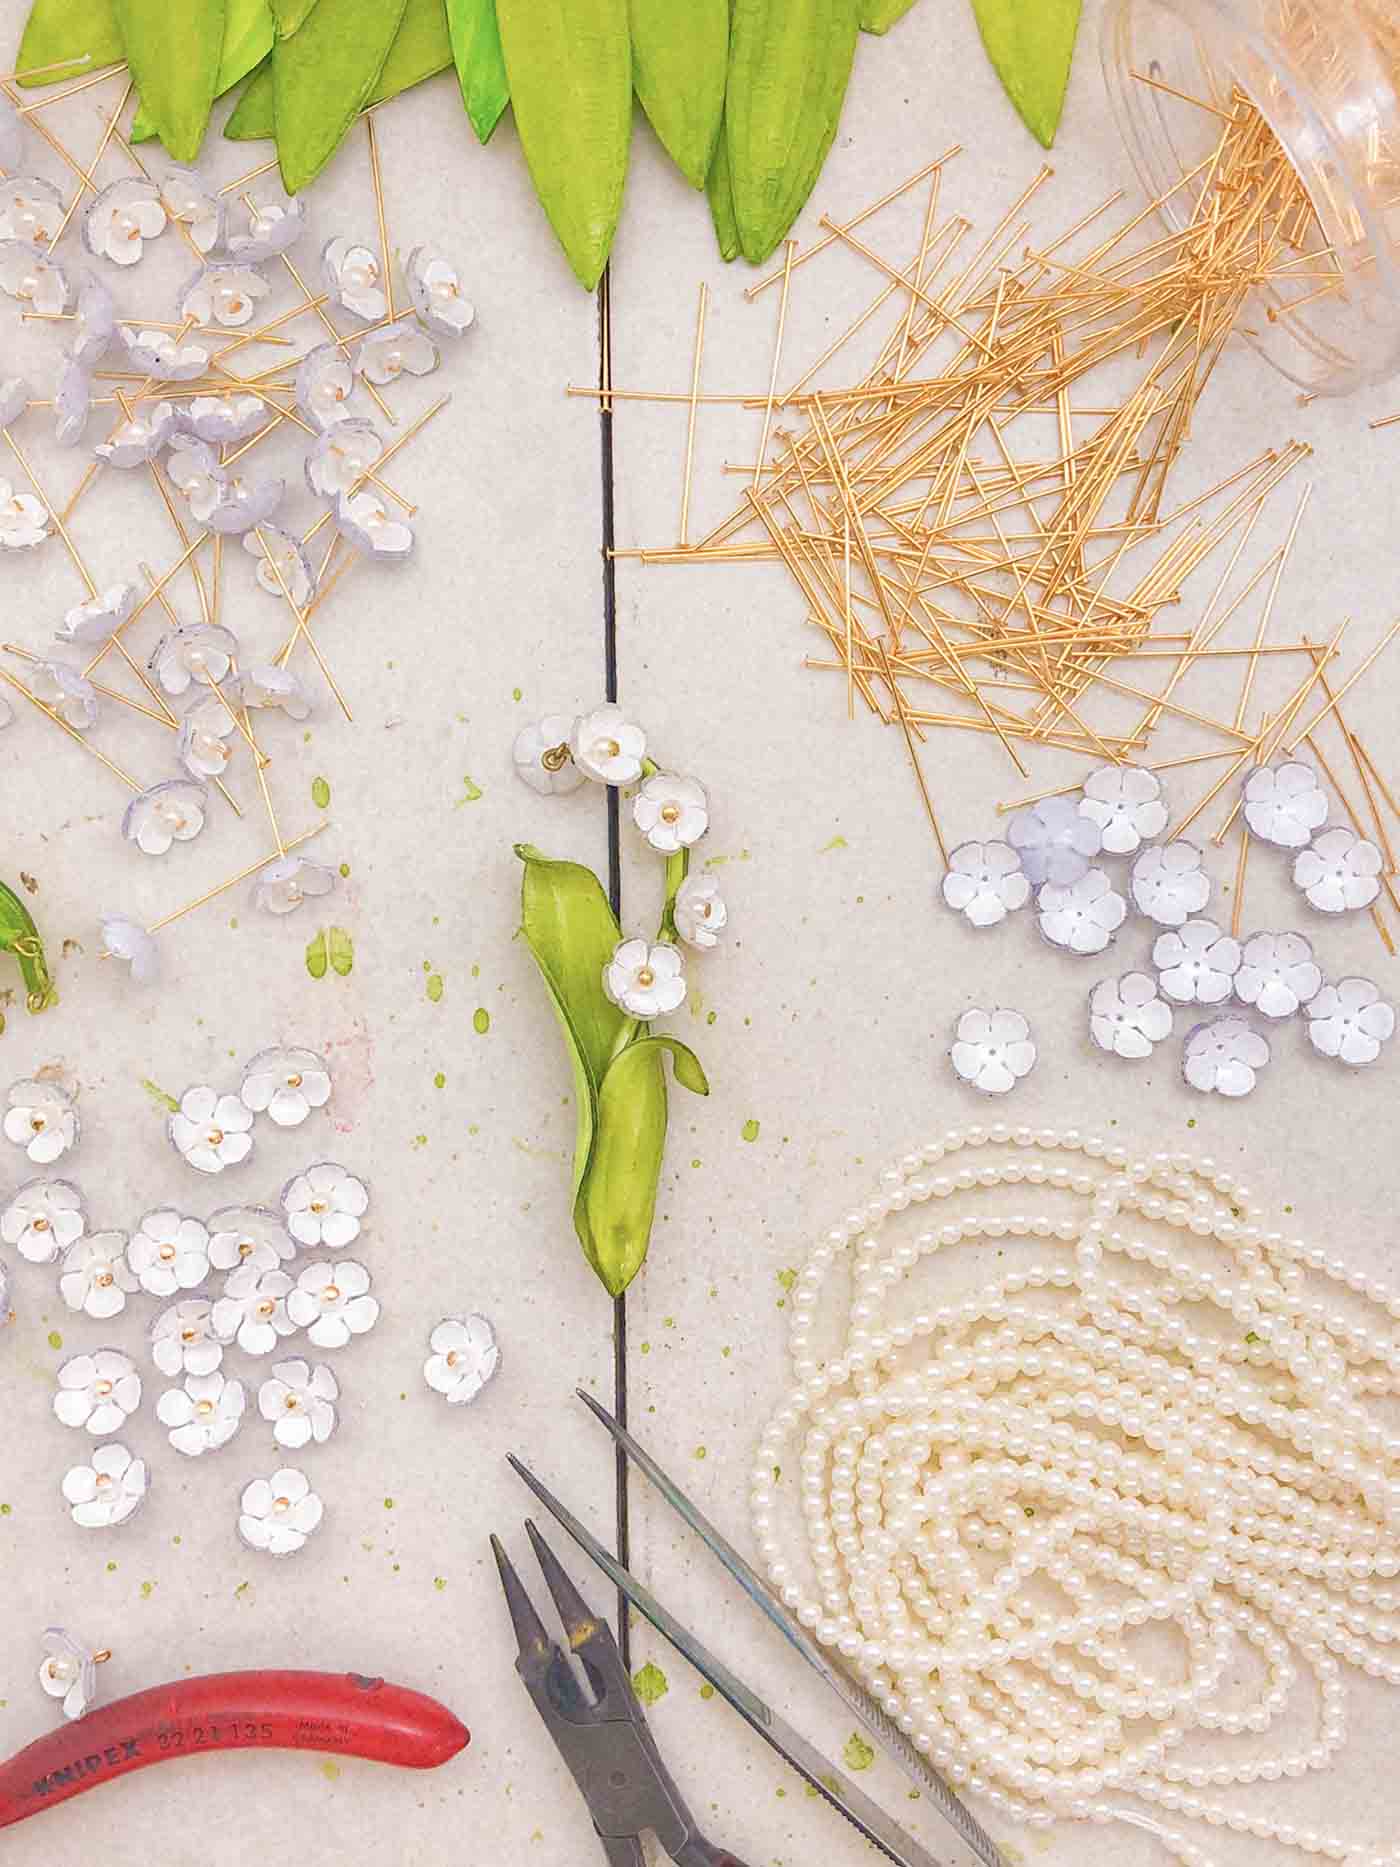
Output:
[[278, 1514], [171, 812], [204, 1414], [465, 1356], [299, 1402], [279, 554], [363, 520], [244, 505], [274, 227], [206, 742], [14, 400], [286, 1085], [42, 1119], [123, 217], [992, 1050], [187, 199], [1284, 804], [136, 441], [332, 1302], [223, 295], [99, 1391], [1350, 1021], [30, 209], [1125, 801], [283, 885], [97, 322], [202, 653], [1126, 1017], [273, 689], [1224, 1057], [1168, 884], [1277, 974], [192, 467], [249, 1236], [210, 1130], [435, 291], [340, 457], [324, 383], [542, 756], [253, 1310], [1196, 964], [43, 1219], [72, 403], [324, 1206], [65, 692], [109, 1490], [354, 279], [68, 1671], [1339, 872], [11, 135], [645, 981], [28, 274], [169, 1253], [24, 520], [183, 1339], [384, 355], [700, 912], [224, 419], [607, 746], [161, 355], [671, 813], [127, 940], [1054, 842], [985, 882], [90, 624], [1080, 916], [96, 1278]]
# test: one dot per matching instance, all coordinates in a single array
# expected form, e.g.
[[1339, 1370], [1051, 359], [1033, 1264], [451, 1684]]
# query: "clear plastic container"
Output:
[[1324, 74]]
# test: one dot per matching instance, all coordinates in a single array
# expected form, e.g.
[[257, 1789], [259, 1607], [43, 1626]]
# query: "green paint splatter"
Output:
[[316, 955], [696, 1161], [750, 1129], [434, 987], [342, 952], [471, 793], [388, 1503], [701, 1453], [147, 1590], [481, 1020], [710, 1016], [159, 1095], [858, 1755], [439, 1081], [787, 1278], [439, 1582], [707, 1691], [111, 1568], [330, 1769], [6, 1510], [650, 1684], [517, 694], [646, 1348], [55, 1339], [1254, 1336], [320, 793], [837, 842], [476, 972], [345, 871]]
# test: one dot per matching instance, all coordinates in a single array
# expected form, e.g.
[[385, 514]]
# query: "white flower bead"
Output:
[[607, 747], [992, 1050], [298, 1400], [204, 1414], [65, 692], [24, 520], [201, 654], [72, 403], [90, 624], [96, 1277], [332, 1302], [1082, 916], [28, 274], [43, 1219], [1168, 884], [384, 355], [223, 294], [278, 1514], [435, 291], [245, 506], [192, 467], [122, 218], [161, 355], [324, 382], [14, 399], [543, 759], [99, 1391], [645, 981], [340, 457], [137, 440], [169, 1253], [671, 813], [109, 1490], [1196, 964], [283, 885], [253, 1310], [1284, 804], [1224, 1057], [465, 1356], [1126, 1017], [167, 813], [207, 739], [249, 1235], [186, 199], [30, 209], [273, 690], [183, 1340], [286, 1085], [281, 556], [1277, 974], [224, 419], [700, 912], [354, 279], [363, 520], [1054, 842], [1125, 801], [68, 1671], [210, 1130], [985, 882], [127, 940], [42, 1119], [1350, 1021], [274, 227], [1339, 873], [324, 1206]]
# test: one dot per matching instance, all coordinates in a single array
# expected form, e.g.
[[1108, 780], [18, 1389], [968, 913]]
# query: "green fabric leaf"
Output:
[[316, 953], [617, 1201], [341, 949], [569, 63], [20, 936], [323, 77], [247, 41], [720, 191], [690, 1073], [254, 116], [880, 15], [174, 55], [290, 14], [420, 50], [680, 61], [59, 29], [572, 932], [1031, 44], [481, 64]]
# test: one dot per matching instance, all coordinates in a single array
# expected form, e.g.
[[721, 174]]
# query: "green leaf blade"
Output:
[[85, 31], [290, 15], [420, 50], [19, 935], [174, 55], [480, 61], [572, 932], [254, 117], [690, 1073], [879, 15], [680, 64], [719, 189], [617, 1201], [322, 78], [1031, 45], [248, 35]]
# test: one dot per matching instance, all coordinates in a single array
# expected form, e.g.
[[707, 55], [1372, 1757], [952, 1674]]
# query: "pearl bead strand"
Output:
[[1158, 1421]]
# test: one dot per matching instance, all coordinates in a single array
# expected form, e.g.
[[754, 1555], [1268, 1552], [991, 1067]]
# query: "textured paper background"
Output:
[[832, 1005]]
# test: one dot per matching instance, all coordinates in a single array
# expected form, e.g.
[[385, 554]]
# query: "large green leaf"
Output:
[[617, 1201], [569, 63], [1031, 43], [421, 49], [572, 933], [248, 34], [290, 15], [322, 78], [680, 61], [880, 15], [254, 116], [720, 191], [20, 936], [481, 64], [59, 29], [174, 55]]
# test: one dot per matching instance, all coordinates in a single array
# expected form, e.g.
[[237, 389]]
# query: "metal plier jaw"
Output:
[[607, 1744]]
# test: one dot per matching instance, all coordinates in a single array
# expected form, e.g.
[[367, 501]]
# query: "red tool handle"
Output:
[[342, 1712]]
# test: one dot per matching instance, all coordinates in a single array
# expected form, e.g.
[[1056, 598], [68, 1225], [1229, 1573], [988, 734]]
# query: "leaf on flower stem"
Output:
[[322, 78], [690, 1073], [719, 188], [59, 29], [420, 49], [1031, 45], [572, 933], [174, 55], [20, 936], [880, 15], [617, 1200], [290, 14], [316, 955], [481, 64], [680, 64], [248, 34], [254, 116], [341, 949]]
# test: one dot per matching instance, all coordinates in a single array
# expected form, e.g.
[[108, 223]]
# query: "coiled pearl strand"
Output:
[[1159, 1420]]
